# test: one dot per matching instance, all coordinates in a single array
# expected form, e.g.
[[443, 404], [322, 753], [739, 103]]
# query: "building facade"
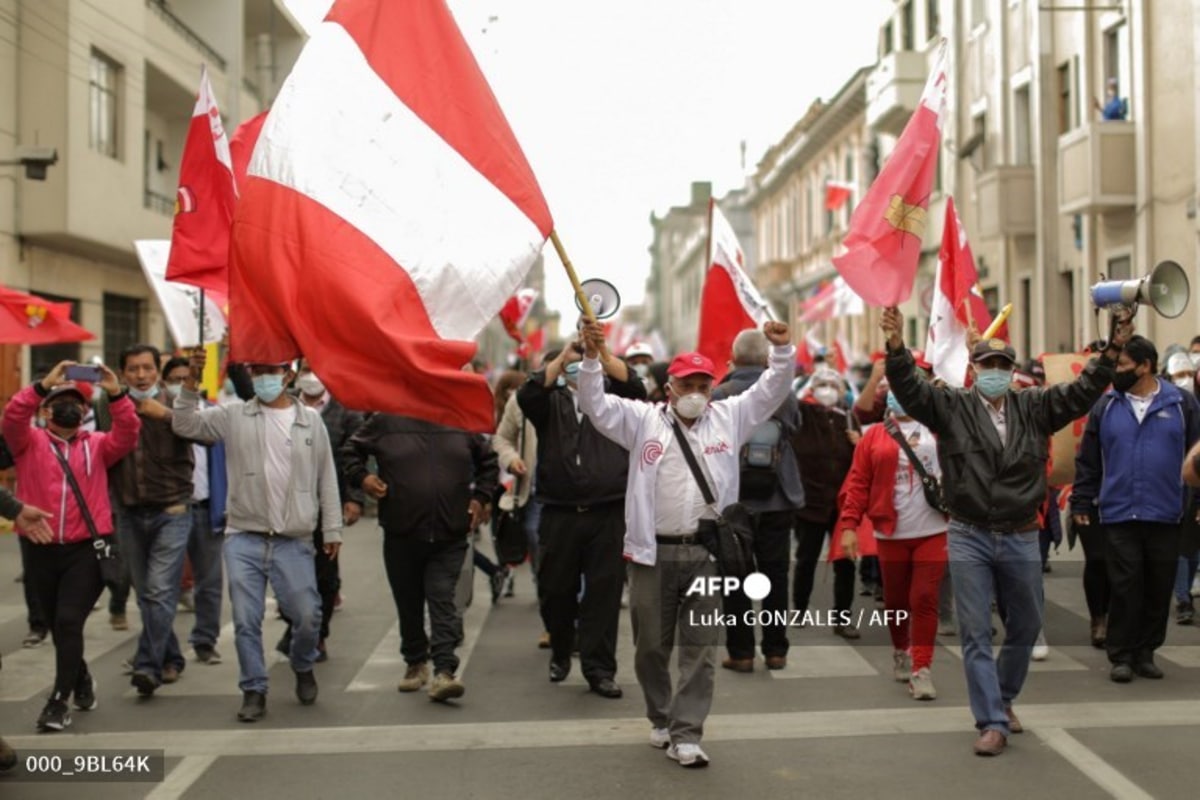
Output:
[[111, 85]]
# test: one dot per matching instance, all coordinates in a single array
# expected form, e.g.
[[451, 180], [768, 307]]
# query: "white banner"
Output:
[[180, 302]]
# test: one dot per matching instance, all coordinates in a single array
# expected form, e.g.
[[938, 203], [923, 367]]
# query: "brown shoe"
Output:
[[118, 622], [739, 664], [776, 662], [1099, 632], [170, 673], [990, 743], [544, 641], [1014, 724]]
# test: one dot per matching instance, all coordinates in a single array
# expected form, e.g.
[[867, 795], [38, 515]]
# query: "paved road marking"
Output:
[[1058, 661], [535, 734], [1184, 655], [1092, 765], [824, 661], [180, 779]]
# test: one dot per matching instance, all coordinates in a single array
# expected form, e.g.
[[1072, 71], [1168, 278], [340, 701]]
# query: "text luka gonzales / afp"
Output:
[[757, 586]]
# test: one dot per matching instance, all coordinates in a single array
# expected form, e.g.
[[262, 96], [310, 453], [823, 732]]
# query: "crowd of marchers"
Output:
[[620, 474]]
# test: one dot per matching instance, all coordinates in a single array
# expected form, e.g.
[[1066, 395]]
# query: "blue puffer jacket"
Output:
[[1131, 470]]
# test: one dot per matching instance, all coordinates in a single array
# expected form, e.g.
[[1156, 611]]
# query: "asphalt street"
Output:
[[832, 725]]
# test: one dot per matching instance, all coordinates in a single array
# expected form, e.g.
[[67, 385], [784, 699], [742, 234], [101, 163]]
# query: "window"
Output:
[[1027, 316], [1022, 127], [828, 214], [908, 26], [1120, 268], [848, 173], [991, 298], [887, 39], [933, 23], [1116, 61], [122, 325], [1066, 99], [43, 358], [103, 104], [979, 134]]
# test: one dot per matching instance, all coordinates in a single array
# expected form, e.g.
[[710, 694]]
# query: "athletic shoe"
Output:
[[688, 755], [660, 738], [920, 685]]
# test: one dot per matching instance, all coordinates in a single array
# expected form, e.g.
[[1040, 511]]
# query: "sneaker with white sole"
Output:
[[920, 685], [1041, 650], [85, 692], [901, 665], [688, 755], [660, 738], [55, 716]]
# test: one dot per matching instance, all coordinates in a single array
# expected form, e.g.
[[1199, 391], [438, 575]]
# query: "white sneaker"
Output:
[[1041, 650], [688, 755], [660, 738], [1195, 592], [901, 666], [920, 685]]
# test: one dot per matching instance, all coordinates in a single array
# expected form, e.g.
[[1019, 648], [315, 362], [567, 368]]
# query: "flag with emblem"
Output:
[[515, 311], [957, 304], [204, 200], [884, 241], [388, 214], [729, 302]]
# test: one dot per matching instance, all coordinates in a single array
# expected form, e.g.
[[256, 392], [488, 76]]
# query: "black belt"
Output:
[[582, 509], [265, 534]]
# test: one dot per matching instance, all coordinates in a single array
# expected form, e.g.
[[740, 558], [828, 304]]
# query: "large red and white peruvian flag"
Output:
[[729, 302], [388, 215], [957, 302], [204, 201], [884, 241]]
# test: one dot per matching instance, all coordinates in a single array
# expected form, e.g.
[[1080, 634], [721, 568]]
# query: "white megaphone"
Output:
[[602, 296], [1165, 289]]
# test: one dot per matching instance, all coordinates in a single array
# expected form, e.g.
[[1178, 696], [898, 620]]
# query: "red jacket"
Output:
[[870, 485], [40, 479]]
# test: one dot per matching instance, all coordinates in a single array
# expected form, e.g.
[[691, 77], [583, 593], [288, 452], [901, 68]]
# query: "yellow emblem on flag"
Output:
[[901, 216]]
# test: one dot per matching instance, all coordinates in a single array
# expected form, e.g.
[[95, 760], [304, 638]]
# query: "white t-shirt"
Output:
[[678, 502], [200, 476], [1142, 404], [915, 518], [279, 422]]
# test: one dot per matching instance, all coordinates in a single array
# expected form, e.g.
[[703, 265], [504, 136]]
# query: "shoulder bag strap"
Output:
[[895, 432], [695, 467], [97, 542], [520, 455]]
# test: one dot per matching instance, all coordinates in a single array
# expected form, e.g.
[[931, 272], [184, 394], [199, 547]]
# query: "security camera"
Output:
[[36, 160]]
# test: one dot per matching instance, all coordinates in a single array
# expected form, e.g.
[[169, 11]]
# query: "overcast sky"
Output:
[[620, 105]]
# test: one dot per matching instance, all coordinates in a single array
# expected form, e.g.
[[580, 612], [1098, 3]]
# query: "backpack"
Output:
[[760, 459]]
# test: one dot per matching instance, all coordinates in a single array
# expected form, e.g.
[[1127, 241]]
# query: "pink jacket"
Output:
[[40, 479]]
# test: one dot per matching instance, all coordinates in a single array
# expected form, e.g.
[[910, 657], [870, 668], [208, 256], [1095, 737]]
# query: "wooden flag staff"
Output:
[[1000, 319], [584, 303]]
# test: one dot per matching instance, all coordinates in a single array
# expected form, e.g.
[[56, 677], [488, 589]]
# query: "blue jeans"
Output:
[[1184, 576], [204, 551], [154, 543], [250, 561], [986, 564], [533, 518]]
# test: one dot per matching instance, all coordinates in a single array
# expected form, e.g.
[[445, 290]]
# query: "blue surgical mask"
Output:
[[230, 389], [993, 383], [144, 394], [267, 388], [894, 405], [572, 371]]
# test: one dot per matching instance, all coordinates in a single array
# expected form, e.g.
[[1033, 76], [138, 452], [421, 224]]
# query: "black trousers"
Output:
[[1142, 559], [423, 573], [34, 614], [587, 544], [329, 583], [772, 543], [66, 584], [810, 538], [1094, 539]]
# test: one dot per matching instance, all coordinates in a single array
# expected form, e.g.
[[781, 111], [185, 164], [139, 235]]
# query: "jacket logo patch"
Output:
[[651, 452], [719, 447]]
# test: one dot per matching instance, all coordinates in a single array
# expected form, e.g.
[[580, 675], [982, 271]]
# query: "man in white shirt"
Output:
[[666, 515]]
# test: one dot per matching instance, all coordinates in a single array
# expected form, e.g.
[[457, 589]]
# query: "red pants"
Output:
[[912, 572]]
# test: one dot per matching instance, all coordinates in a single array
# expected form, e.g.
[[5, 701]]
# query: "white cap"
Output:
[[1179, 362], [639, 349]]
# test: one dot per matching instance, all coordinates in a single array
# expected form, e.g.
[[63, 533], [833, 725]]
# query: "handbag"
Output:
[[733, 547], [508, 532], [930, 485], [112, 570]]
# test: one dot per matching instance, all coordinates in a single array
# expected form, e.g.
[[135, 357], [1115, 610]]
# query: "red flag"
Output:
[[836, 194], [388, 214], [515, 311], [884, 242], [955, 290], [534, 343], [729, 303], [820, 306], [29, 319], [241, 146], [204, 201], [840, 362]]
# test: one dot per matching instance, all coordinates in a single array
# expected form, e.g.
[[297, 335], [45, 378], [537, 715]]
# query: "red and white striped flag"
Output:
[[515, 311], [729, 303], [204, 200], [388, 215]]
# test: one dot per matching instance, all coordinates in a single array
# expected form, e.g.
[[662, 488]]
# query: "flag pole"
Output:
[[584, 303], [1000, 319], [201, 319]]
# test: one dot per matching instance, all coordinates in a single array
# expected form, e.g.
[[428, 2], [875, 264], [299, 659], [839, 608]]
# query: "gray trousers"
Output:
[[661, 613]]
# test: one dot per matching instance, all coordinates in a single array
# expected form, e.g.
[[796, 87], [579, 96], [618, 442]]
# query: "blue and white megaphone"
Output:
[[1165, 289]]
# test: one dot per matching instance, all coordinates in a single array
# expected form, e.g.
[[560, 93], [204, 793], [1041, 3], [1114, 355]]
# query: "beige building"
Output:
[[111, 85]]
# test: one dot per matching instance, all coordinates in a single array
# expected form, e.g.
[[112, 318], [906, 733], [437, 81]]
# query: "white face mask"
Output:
[[310, 384], [1184, 383], [826, 395], [691, 406], [642, 370]]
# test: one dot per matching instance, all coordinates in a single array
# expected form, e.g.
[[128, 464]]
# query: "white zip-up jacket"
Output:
[[644, 429]]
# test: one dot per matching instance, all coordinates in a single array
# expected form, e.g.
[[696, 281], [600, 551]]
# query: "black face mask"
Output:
[[1124, 380], [66, 415]]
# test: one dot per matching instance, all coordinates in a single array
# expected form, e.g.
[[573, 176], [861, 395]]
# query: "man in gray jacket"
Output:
[[283, 484]]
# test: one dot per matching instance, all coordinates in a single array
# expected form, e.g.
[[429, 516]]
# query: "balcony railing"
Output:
[[160, 7], [160, 203]]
